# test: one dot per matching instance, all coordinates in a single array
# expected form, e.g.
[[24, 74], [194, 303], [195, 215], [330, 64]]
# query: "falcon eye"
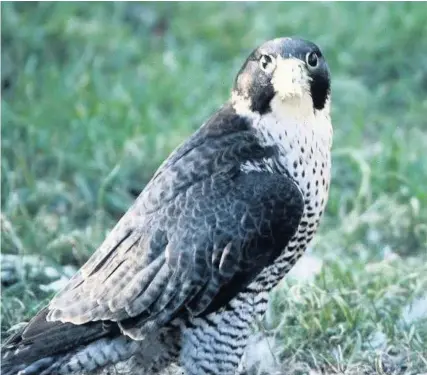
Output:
[[312, 59], [266, 63]]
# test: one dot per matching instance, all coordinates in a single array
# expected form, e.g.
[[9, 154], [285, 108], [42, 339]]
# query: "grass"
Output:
[[95, 96]]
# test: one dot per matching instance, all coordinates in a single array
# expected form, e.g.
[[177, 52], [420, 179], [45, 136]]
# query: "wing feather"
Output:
[[196, 236], [201, 257]]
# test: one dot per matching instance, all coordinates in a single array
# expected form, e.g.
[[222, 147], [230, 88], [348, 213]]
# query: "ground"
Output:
[[95, 96]]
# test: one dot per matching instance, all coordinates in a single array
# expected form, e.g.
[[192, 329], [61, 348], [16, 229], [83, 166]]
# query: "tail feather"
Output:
[[44, 347]]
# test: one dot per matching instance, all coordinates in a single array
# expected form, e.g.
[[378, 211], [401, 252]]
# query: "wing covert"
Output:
[[199, 232], [228, 229]]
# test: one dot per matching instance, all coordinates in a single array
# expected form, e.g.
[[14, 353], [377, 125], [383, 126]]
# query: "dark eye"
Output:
[[266, 63], [312, 59]]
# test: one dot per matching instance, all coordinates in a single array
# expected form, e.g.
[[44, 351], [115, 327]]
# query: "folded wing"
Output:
[[197, 235]]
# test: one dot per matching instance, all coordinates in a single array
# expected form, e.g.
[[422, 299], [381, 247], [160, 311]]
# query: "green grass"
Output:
[[95, 96]]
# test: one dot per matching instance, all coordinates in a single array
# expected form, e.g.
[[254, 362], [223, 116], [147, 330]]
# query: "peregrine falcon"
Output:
[[187, 270]]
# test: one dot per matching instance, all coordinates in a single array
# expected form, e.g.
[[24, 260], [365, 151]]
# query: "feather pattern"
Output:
[[226, 226]]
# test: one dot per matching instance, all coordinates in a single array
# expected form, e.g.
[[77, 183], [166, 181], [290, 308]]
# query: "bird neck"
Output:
[[303, 138], [295, 122]]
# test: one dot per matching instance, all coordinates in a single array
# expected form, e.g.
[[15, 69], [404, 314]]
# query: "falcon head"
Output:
[[285, 70]]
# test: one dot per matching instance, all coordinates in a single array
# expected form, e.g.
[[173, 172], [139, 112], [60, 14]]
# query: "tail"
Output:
[[47, 348]]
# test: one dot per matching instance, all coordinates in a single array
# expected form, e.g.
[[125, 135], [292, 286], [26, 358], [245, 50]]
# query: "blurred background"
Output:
[[96, 95]]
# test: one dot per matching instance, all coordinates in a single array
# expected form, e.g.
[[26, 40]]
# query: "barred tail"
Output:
[[48, 348]]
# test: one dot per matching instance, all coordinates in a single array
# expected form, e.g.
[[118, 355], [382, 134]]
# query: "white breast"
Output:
[[304, 139]]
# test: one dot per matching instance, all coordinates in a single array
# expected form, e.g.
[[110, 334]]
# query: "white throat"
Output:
[[295, 121], [302, 134]]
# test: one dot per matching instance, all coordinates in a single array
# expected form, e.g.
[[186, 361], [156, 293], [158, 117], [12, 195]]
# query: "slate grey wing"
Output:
[[238, 226], [215, 238], [198, 234]]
